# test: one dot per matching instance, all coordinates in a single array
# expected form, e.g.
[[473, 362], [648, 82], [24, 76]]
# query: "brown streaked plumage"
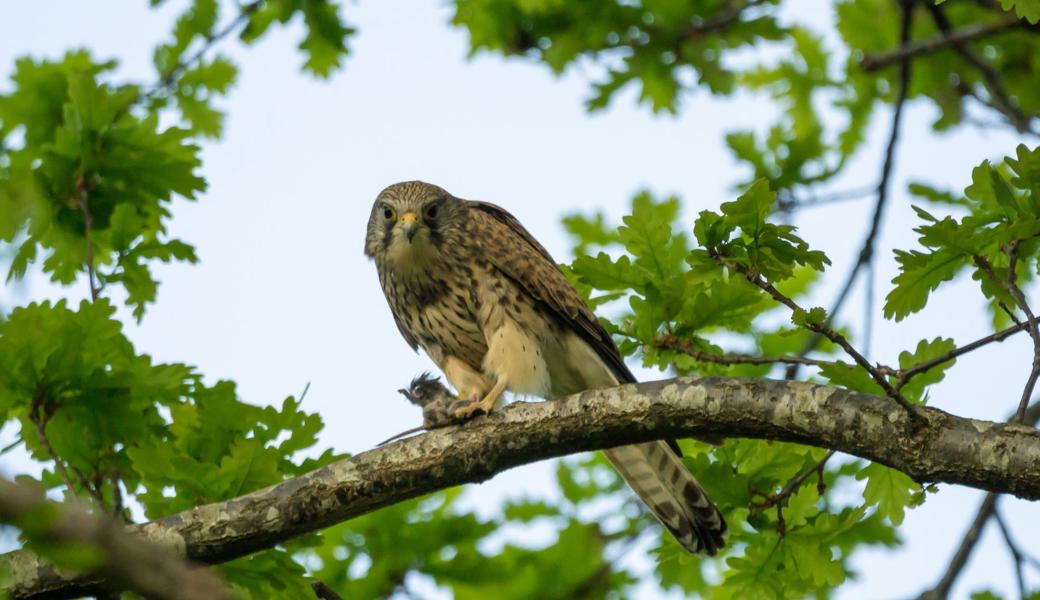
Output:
[[467, 283]]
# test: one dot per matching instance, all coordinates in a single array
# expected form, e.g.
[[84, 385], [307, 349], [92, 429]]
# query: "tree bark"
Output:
[[998, 457]]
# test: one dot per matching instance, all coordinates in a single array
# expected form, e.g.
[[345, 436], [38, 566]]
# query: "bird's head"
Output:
[[409, 222]]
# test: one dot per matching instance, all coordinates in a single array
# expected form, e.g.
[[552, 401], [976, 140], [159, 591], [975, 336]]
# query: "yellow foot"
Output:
[[465, 408]]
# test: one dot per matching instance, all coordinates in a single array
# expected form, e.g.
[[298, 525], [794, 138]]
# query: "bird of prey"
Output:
[[467, 283]]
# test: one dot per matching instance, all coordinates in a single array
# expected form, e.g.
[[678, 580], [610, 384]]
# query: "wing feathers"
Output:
[[669, 490]]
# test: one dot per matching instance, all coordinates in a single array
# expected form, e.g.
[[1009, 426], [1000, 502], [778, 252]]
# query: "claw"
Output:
[[484, 405]]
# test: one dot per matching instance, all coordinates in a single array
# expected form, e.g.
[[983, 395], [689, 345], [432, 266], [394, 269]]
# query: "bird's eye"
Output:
[[431, 211], [388, 213]]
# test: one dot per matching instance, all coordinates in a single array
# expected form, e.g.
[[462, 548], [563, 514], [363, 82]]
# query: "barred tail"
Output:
[[666, 486]]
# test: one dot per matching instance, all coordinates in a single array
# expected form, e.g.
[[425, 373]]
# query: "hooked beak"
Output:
[[409, 224]]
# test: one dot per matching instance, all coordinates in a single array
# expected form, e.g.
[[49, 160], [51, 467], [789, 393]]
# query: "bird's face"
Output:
[[408, 224]]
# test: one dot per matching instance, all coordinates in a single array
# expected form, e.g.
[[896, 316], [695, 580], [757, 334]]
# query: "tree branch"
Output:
[[998, 457], [968, 33], [905, 375], [941, 591], [987, 509], [1033, 328], [866, 252], [128, 562], [683, 346], [1001, 99]]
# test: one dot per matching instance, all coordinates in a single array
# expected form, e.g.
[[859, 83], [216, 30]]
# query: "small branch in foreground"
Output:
[[127, 561], [822, 329], [1033, 329], [968, 33], [905, 375], [779, 499], [683, 346]]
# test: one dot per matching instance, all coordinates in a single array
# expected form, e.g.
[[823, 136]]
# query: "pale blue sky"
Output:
[[283, 295]]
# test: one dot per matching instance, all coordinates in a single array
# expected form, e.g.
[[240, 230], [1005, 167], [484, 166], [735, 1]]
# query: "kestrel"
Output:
[[487, 303]]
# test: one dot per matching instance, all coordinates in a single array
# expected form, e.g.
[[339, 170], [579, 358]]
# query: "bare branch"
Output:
[[128, 562], [780, 499], [905, 375], [941, 591], [866, 252], [987, 509], [1003, 458], [683, 346], [877, 374], [968, 33], [1016, 554], [1001, 99], [1033, 329]]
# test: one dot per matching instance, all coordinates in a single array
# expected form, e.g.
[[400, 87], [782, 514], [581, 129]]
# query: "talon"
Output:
[[484, 405]]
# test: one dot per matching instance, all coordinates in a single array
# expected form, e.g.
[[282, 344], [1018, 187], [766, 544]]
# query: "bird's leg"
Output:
[[466, 408]]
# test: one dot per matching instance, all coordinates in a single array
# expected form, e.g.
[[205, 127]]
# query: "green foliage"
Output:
[[371, 556], [1003, 221], [665, 40], [325, 42], [103, 411], [91, 165], [1027, 9]]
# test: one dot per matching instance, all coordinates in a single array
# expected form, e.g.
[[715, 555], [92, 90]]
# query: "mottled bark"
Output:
[[943, 448]]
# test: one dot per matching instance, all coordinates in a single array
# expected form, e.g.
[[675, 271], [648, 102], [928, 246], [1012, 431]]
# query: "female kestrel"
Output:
[[467, 283]]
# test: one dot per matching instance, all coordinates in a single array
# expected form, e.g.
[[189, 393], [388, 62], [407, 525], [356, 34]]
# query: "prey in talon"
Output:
[[437, 402], [467, 283]]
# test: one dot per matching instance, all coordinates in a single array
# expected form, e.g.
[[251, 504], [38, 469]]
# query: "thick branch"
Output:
[[998, 457], [127, 561]]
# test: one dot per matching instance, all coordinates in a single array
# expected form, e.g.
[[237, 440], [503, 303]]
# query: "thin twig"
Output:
[[941, 590], [868, 309], [905, 375], [866, 253], [683, 346], [1016, 554], [786, 200], [80, 199], [968, 33], [1033, 329], [170, 77], [725, 17], [794, 484], [878, 375], [1002, 100]]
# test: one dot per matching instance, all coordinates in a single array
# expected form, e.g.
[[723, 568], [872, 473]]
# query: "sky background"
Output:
[[284, 296]]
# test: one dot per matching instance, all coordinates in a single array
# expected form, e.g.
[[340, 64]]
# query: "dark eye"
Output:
[[388, 213], [431, 211]]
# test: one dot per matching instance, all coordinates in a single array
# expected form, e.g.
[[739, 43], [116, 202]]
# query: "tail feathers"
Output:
[[666, 486]]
